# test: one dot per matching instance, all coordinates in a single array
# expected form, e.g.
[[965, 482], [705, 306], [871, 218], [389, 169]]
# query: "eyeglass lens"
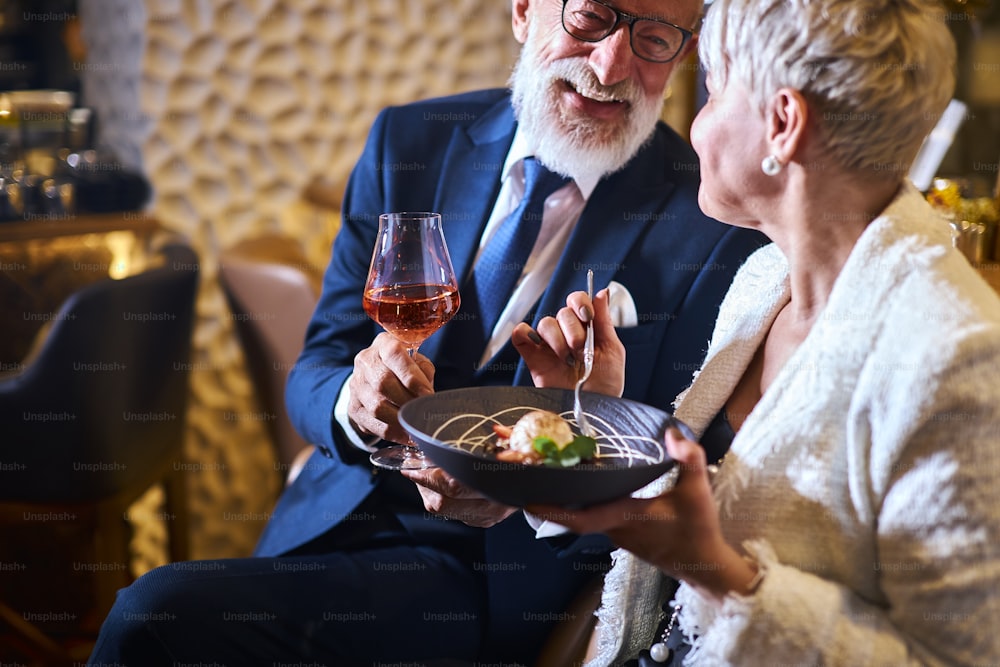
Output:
[[592, 21]]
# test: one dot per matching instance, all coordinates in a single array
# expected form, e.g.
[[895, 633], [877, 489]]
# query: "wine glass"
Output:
[[411, 292]]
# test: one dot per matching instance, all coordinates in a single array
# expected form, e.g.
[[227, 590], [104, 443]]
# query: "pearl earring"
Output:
[[770, 165]]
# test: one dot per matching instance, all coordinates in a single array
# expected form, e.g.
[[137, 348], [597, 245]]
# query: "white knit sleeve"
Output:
[[937, 532]]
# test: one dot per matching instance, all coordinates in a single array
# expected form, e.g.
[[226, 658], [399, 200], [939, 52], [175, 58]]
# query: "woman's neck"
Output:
[[816, 224]]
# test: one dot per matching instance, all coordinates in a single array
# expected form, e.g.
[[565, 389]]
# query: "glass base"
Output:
[[400, 457]]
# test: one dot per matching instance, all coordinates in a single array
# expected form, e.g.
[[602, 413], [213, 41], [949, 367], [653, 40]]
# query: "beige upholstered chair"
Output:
[[272, 290]]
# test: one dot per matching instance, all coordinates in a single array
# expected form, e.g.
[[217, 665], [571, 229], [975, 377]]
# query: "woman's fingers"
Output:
[[604, 327], [553, 350], [547, 369], [689, 454], [550, 329]]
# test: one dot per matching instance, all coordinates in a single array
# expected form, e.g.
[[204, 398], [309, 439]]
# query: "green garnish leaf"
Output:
[[546, 447], [584, 446], [567, 458], [580, 449]]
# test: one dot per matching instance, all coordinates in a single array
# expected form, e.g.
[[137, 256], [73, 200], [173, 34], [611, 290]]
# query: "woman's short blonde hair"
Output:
[[877, 73]]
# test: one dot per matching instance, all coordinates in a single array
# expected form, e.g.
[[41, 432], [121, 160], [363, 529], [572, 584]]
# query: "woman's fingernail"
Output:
[[675, 433], [586, 314], [534, 337]]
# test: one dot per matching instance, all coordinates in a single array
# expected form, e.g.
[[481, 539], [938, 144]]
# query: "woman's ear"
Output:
[[519, 19], [787, 117]]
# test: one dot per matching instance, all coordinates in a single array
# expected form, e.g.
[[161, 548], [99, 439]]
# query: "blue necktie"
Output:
[[503, 259]]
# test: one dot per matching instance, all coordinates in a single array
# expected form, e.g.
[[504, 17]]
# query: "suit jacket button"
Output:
[[325, 451]]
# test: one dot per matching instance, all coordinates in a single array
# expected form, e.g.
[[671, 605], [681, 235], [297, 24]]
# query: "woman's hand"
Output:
[[553, 353], [678, 531]]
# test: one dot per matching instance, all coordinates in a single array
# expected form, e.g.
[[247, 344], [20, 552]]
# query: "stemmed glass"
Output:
[[411, 292]]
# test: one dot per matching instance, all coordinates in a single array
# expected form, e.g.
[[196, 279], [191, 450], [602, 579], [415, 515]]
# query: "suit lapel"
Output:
[[468, 189], [602, 239], [735, 342]]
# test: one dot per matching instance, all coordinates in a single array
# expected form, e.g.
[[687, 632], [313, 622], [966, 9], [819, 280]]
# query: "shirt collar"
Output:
[[519, 149]]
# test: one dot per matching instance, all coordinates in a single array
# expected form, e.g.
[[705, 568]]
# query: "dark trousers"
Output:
[[381, 597]]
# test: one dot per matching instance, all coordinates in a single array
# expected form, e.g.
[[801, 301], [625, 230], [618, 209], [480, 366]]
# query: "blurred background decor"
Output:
[[973, 216], [92, 419]]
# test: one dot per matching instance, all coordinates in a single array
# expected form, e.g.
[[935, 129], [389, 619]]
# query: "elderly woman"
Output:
[[855, 367]]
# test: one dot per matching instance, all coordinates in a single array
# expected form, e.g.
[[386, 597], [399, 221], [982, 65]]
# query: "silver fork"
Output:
[[588, 366]]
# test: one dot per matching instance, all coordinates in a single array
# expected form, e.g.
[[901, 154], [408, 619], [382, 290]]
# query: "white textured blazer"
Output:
[[866, 481]]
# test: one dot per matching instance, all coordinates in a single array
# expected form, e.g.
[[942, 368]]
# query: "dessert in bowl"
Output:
[[456, 430]]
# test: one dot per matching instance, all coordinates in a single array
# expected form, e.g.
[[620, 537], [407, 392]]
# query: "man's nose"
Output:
[[611, 58]]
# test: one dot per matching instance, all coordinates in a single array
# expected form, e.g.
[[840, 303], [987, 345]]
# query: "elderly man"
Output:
[[363, 566]]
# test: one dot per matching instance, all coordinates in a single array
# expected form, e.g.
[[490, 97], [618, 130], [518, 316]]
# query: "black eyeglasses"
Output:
[[650, 39]]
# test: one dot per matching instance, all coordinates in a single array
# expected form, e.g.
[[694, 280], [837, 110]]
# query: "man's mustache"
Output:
[[578, 73]]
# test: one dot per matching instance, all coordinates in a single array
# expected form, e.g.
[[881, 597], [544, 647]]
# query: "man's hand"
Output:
[[553, 353], [385, 378], [446, 497]]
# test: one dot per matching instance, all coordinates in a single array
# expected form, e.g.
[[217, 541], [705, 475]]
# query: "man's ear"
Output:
[[787, 116], [519, 19], [692, 45]]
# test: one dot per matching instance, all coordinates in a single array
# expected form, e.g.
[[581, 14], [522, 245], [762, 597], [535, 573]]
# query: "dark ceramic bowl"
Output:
[[454, 429]]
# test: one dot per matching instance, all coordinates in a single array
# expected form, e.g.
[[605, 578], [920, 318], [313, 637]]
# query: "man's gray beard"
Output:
[[574, 146]]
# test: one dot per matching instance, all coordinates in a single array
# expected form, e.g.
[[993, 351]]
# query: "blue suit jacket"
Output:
[[641, 227]]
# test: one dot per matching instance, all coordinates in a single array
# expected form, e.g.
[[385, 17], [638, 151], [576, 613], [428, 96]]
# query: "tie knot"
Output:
[[539, 181]]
